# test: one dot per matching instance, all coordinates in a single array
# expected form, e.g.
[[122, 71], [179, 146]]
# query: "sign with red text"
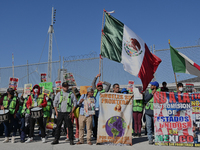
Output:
[[69, 78], [115, 118], [130, 86], [27, 90], [177, 119], [43, 77], [13, 83], [58, 85]]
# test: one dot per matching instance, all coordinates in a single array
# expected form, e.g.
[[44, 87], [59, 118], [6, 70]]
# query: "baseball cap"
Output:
[[155, 83], [89, 89], [65, 84], [124, 91], [99, 84]]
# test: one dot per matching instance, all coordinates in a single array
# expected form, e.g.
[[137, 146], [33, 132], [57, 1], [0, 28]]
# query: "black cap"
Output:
[[65, 84], [11, 91]]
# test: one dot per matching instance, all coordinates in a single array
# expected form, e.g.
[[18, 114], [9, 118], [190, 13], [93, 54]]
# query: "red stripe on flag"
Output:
[[149, 66], [197, 66]]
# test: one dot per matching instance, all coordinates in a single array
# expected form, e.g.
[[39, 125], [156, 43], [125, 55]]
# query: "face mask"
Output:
[[181, 89], [47, 98], [35, 90]]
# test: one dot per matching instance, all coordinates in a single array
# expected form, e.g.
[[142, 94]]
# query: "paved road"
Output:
[[138, 144]]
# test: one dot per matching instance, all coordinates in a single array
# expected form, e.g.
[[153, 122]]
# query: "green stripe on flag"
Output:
[[178, 62], [112, 37]]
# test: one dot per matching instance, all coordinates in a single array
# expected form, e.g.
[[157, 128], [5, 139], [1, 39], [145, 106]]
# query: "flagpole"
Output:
[[13, 63], [101, 43], [174, 72]]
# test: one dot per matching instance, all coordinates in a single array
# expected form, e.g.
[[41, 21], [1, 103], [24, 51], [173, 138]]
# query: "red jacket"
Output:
[[29, 102]]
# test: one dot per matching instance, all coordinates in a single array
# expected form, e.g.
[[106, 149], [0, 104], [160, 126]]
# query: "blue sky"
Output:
[[24, 25]]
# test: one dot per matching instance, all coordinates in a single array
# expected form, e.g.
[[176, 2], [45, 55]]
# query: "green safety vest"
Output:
[[12, 104], [138, 105], [24, 108], [47, 109], [149, 105], [69, 103], [96, 91], [39, 101]]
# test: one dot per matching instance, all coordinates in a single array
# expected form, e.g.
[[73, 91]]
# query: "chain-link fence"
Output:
[[86, 67], [29, 73]]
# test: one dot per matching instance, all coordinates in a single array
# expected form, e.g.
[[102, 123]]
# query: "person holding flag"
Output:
[[97, 90]]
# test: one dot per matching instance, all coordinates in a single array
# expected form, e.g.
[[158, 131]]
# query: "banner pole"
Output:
[[173, 71], [176, 81], [101, 43], [13, 64]]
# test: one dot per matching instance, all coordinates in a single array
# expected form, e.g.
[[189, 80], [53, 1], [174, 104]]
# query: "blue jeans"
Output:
[[8, 125], [21, 126], [150, 126]]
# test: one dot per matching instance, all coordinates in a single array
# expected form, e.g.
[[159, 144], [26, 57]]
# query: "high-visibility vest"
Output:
[[39, 101], [47, 109], [69, 103], [96, 91], [12, 104], [24, 108], [149, 105], [138, 105]]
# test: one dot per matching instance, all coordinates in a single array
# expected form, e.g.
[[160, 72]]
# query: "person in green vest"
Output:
[[64, 105], [97, 90], [21, 119], [47, 111], [36, 100], [11, 103], [149, 114], [78, 95]]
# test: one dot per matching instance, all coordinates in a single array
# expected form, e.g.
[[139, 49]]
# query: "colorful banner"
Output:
[[47, 85], [13, 83], [43, 77], [68, 77], [27, 90], [58, 85], [89, 106], [177, 119], [115, 118], [130, 87]]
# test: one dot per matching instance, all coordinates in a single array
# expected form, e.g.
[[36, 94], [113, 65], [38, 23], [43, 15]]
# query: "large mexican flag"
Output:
[[182, 64], [121, 44]]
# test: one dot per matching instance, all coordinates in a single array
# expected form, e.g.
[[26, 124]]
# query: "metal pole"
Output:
[[50, 31], [101, 42], [13, 63], [27, 73], [102, 70], [63, 62], [59, 68]]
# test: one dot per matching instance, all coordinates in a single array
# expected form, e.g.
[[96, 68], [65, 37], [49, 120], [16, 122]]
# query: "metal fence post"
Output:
[[27, 72]]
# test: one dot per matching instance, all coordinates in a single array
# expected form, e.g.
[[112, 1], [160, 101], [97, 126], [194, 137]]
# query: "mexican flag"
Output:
[[182, 64], [121, 44]]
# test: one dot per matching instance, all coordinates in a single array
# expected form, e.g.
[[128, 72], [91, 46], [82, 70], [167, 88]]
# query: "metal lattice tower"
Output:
[[50, 31]]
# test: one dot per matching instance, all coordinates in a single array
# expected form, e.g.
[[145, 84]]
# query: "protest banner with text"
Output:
[[115, 118]]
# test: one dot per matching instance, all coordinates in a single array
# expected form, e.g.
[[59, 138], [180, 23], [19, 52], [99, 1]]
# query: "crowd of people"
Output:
[[38, 108]]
